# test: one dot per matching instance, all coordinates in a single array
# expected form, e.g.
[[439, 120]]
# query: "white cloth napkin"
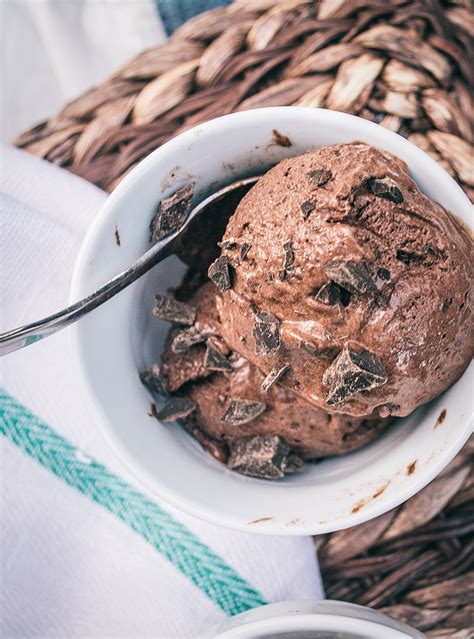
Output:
[[73, 565]]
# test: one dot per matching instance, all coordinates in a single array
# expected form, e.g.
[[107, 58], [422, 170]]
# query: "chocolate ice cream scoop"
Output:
[[235, 401], [336, 267]]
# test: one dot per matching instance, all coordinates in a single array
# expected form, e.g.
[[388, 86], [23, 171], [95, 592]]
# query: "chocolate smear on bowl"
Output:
[[152, 378], [183, 340], [320, 176], [280, 139], [385, 188], [243, 411], [274, 375], [171, 213], [214, 360], [170, 310], [219, 273], [262, 456], [244, 249], [351, 275], [351, 372], [175, 408], [266, 332], [307, 208], [329, 294]]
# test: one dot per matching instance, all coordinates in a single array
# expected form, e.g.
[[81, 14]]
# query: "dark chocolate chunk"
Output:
[[386, 188], [219, 273], [214, 360], [244, 249], [266, 332], [231, 243], [289, 256], [351, 373], [261, 456], [175, 408], [170, 310], [274, 375], [153, 379], [445, 304], [351, 275], [307, 208], [242, 411], [412, 252], [280, 139], [320, 176], [329, 294], [183, 340], [295, 463], [383, 273], [171, 213]]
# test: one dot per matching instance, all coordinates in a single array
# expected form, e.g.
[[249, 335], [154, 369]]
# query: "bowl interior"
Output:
[[122, 337]]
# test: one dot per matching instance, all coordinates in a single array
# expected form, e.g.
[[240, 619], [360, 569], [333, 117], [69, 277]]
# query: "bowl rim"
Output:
[[159, 489]]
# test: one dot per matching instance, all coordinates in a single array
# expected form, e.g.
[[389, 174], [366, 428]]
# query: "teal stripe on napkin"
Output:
[[180, 546]]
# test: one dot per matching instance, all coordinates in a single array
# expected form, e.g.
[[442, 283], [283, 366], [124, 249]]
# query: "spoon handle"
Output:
[[31, 333]]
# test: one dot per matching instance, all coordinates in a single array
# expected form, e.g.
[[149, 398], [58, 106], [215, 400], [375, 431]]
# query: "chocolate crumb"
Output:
[[385, 188], [175, 408], [243, 411], [307, 208], [170, 310], [320, 176], [152, 412], [262, 456], [219, 273], [351, 275], [214, 360], [244, 249], [280, 139], [411, 467], [274, 375], [266, 332], [352, 372], [171, 213], [183, 340], [441, 417], [117, 236], [329, 294], [154, 381]]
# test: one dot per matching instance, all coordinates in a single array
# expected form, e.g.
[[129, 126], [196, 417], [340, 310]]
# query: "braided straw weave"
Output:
[[404, 64]]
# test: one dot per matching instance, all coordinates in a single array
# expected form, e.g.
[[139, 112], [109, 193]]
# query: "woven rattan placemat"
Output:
[[403, 64]]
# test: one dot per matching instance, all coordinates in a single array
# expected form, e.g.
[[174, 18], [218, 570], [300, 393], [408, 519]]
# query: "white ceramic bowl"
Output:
[[314, 619], [116, 341]]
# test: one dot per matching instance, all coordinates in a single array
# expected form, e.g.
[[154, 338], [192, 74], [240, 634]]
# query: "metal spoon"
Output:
[[31, 333]]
